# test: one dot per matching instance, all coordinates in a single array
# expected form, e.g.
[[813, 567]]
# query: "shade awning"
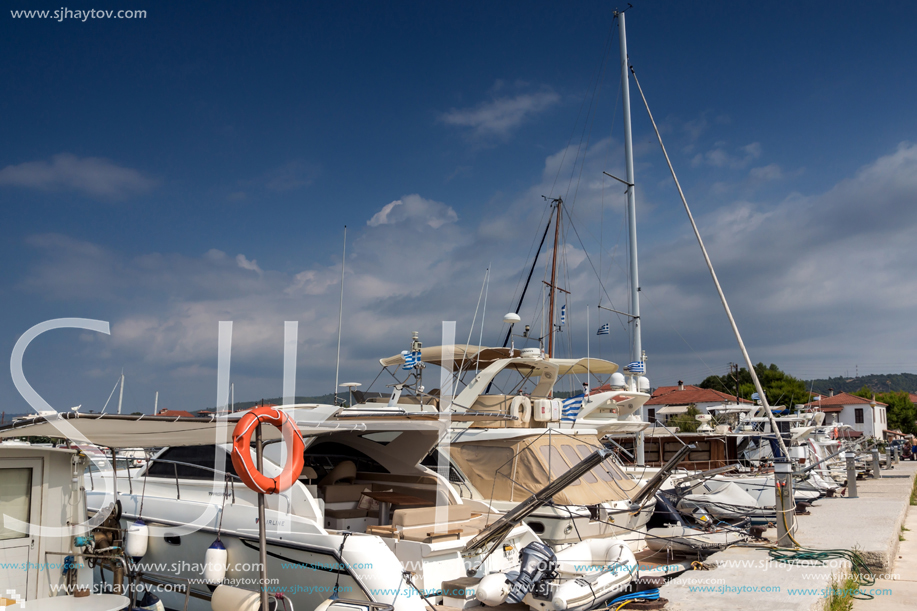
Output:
[[581, 366], [435, 355], [673, 409]]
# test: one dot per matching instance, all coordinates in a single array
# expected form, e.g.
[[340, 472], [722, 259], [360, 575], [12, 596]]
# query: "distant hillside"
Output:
[[883, 382]]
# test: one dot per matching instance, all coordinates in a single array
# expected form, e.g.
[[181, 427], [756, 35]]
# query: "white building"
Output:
[[867, 416]]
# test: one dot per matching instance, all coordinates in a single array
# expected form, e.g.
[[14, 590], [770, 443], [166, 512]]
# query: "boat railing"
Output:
[[231, 478]]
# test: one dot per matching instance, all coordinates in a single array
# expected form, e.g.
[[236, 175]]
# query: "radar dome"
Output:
[[643, 384], [617, 380]]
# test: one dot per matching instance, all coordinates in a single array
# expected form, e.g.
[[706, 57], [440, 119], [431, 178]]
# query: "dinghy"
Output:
[[580, 577]]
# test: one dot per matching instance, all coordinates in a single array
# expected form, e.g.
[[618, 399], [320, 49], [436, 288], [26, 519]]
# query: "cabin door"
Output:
[[20, 506]]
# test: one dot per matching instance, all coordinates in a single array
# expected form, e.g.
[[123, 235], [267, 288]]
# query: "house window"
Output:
[[858, 415], [651, 415]]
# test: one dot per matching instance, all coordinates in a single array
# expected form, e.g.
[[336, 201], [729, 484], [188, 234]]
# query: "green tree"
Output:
[[686, 422], [779, 387], [901, 412]]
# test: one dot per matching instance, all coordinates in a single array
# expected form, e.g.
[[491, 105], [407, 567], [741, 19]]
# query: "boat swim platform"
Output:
[[747, 578]]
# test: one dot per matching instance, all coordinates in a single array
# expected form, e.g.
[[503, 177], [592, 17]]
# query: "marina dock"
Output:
[[747, 578]]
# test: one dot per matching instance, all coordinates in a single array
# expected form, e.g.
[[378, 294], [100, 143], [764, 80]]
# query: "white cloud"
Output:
[[768, 172], [414, 209], [500, 116], [252, 265], [719, 157], [93, 176], [825, 277]]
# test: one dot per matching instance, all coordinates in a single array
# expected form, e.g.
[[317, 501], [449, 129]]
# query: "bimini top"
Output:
[[460, 352], [482, 357]]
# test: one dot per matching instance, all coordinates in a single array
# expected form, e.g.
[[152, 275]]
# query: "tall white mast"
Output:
[[337, 366], [637, 343], [156, 404]]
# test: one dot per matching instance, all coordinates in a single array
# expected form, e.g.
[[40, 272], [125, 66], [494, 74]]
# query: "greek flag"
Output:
[[636, 367], [571, 408], [411, 359], [604, 330], [563, 314]]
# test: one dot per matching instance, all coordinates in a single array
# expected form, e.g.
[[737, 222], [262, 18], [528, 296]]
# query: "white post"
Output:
[[290, 339], [156, 404], [232, 397]]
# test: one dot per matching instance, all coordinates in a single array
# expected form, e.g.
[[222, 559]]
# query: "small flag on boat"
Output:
[[571, 408], [636, 367], [411, 359], [604, 330], [563, 314]]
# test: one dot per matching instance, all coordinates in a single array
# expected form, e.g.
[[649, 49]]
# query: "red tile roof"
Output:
[[175, 413], [671, 395], [841, 399]]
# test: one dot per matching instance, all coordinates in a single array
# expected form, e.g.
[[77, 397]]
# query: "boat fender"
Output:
[[242, 455], [228, 598], [493, 589], [216, 561], [521, 408], [137, 539]]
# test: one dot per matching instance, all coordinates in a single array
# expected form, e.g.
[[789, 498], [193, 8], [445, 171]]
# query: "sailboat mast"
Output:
[[637, 342], [553, 286]]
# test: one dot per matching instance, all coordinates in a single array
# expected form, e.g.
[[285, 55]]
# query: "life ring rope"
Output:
[[242, 455]]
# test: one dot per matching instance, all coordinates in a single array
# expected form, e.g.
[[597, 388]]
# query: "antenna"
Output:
[[337, 366]]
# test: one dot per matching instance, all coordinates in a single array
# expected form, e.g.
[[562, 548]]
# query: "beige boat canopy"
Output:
[[513, 469], [483, 357], [460, 352]]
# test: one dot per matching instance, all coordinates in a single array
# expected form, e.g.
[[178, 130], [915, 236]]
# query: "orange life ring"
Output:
[[834, 434], [242, 455]]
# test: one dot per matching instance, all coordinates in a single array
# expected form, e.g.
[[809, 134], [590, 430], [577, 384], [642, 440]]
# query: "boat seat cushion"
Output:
[[417, 516], [343, 493]]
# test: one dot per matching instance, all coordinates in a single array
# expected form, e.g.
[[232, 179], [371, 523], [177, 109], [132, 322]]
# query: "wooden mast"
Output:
[[557, 203]]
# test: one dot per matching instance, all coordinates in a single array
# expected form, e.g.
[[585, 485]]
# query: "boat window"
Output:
[[324, 456], [603, 470], [573, 458], [15, 500], [556, 463], [199, 461], [382, 437]]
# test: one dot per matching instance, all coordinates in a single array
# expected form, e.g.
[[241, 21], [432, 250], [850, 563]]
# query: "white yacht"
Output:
[[536, 436]]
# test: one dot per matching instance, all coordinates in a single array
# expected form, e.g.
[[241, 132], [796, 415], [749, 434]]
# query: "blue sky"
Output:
[[199, 165]]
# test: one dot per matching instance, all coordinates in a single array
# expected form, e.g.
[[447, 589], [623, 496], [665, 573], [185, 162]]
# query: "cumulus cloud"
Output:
[[414, 209], [92, 176], [825, 277], [499, 116]]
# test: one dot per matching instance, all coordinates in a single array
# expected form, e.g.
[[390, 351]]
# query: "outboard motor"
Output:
[[537, 562]]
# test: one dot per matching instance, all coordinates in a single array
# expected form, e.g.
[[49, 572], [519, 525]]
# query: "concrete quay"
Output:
[[746, 578]]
